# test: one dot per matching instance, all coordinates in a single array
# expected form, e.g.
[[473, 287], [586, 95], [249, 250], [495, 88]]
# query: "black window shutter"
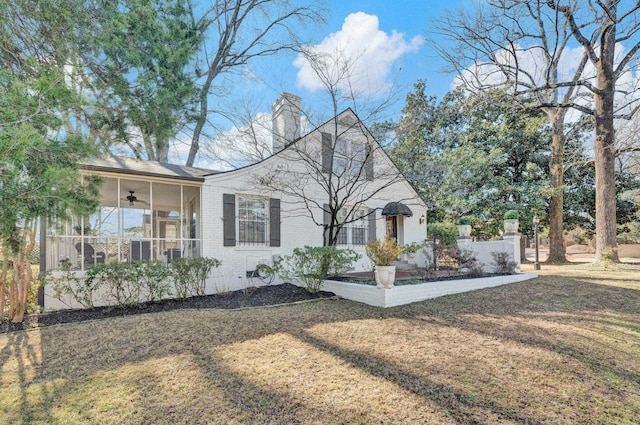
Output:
[[372, 226], [368, 163], [327, 142], [229, 218], [274, 222]]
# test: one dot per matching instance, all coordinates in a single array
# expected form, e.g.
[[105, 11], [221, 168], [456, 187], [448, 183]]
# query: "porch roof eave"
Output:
[[145, 169]]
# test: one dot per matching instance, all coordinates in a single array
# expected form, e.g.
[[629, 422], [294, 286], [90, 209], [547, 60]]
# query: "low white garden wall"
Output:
[[482, 250], [406, 294]]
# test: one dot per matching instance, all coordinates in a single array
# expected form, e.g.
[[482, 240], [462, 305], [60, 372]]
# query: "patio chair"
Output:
[[139, 251], [173, 254], [90, 254]]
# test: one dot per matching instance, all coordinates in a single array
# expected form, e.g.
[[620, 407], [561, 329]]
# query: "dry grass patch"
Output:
[[563, 348]]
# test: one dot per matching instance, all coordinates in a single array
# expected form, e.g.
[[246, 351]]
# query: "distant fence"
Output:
[[624, 250]]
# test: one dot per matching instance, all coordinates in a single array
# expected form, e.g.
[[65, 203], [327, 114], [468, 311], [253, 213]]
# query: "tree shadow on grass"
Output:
[[595, 325], [71, 354], [463, 407]]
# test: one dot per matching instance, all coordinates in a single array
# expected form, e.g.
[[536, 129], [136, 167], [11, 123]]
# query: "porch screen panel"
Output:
[[191, 216], [167, 228], [137, 219]]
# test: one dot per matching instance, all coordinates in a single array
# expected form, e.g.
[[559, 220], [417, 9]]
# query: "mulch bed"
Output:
[[260, 297]]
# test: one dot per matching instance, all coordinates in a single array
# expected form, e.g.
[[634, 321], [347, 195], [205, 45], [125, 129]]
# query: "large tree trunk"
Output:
[[162, 150], [604, 149], [200, 122], [556, 180], [605, 171], [201, 119], [22, 277], [3, 283]]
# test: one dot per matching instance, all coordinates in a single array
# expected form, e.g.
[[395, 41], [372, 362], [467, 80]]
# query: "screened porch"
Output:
[[138, 220]]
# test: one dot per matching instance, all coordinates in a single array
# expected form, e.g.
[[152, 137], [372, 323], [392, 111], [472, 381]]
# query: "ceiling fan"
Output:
[[133, 198]]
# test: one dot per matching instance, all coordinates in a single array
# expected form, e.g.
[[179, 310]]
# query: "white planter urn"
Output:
[[464, 230], [385, 276], [409, 255], [511, 225]]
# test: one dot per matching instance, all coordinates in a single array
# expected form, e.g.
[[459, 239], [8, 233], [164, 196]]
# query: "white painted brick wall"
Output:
[[297, 230]]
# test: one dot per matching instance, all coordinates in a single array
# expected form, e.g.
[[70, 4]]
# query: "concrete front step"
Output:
[[403, 266]]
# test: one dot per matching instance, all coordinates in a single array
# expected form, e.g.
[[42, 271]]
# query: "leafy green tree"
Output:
[[516, 144], [141, 54], [39, 178], [425, 129], [148, 70], [473, 156], [580, 205], [520, 46]]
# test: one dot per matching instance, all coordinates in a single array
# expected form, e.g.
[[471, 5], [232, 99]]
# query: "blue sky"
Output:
[[411, 18], [387, 36], [393, 33]]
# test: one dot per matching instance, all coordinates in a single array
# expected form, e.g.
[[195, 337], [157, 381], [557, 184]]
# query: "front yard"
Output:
[[562, 348]]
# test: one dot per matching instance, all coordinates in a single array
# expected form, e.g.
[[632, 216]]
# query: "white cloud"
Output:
[[532, 65], [245, 145], [369, 52], [239, 146]]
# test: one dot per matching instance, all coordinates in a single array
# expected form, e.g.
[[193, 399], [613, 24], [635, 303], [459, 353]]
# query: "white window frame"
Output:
[[244, 219]]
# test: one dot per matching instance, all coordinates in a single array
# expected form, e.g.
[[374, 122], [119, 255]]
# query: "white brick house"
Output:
[[246, 216]]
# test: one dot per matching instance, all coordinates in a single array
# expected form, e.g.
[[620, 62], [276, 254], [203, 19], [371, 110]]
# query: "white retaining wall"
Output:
[[482, 250], [406, 294]]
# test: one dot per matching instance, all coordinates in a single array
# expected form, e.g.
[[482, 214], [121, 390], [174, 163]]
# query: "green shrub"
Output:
[[383, 252], [190, 275], [465, 220], [130, 283], [154, 278], [81, 290], [120, 280], [312, 265], [629, 233], [511, 215], [579, 235], [267, 273], [412, 247], [202, 267], [444, 232]]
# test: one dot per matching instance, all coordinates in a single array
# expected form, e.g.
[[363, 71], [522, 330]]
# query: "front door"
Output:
[[392, 227]]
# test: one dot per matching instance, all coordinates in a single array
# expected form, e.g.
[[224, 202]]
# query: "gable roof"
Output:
[[146, 168], [340, 117], [347, 117]]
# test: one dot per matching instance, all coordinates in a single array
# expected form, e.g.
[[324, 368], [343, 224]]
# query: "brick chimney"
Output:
[[286, 120]]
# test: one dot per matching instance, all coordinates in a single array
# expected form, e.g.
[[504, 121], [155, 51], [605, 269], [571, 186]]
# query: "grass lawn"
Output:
[[560, 349]]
